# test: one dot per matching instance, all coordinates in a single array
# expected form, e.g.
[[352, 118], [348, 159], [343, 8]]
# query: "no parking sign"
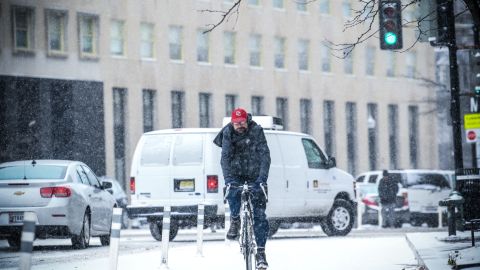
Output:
[[472, 127]]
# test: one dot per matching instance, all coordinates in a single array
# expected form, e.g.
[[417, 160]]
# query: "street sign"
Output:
[[471, 121], [471, 135]]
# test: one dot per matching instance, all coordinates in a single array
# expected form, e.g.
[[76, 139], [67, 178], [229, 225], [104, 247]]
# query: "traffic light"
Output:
[[475, 65], [390, 24], [444, 14]]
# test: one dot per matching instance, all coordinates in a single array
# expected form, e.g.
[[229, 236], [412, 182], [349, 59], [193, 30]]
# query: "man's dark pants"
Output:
[[259, 202]]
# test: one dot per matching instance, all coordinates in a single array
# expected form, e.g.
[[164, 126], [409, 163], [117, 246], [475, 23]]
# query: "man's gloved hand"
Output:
[[261, 180]]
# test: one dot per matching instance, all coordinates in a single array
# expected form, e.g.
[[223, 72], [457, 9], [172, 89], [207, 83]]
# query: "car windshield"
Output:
[[32, 172]]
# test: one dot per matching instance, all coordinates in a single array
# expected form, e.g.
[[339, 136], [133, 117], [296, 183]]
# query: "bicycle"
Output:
[[248, 245]]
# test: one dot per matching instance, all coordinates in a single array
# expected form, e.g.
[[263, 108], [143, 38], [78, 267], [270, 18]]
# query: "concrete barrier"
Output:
[[165, 237], [227, 221], [200, 222]]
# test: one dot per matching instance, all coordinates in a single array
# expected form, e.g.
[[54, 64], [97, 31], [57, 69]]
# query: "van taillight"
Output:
[[132, 185], [212, 183], [405, 198], [59, 192]]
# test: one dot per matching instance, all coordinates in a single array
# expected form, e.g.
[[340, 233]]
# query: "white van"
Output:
[[181, 168]]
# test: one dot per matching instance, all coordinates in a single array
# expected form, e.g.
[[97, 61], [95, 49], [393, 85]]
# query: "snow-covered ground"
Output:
[[372, 253]]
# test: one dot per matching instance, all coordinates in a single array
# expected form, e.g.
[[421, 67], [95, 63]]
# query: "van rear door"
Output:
[[188, 180], [152, 179]]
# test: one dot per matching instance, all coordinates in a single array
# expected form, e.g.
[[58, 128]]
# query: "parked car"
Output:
[[120, 196], [421, 189], [66, 197], [367, 190], [181, 168]]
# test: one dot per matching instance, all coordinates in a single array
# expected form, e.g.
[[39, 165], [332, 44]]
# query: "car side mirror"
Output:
[[332, 163], [107, 185]]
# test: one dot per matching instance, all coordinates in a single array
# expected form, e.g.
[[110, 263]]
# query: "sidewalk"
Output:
[[432, 250]]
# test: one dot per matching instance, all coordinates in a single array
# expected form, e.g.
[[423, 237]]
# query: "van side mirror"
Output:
[[332, 163]]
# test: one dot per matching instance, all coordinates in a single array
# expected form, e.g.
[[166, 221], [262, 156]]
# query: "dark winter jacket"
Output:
[[387, 191], [244, 156]]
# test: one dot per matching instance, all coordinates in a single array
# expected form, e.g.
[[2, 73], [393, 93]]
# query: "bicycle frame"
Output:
[[247, 238]]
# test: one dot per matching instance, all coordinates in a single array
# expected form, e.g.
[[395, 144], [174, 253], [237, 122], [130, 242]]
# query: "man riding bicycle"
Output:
[[246, 158]]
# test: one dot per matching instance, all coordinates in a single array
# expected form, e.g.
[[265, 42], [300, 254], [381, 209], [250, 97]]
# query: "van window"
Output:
[[360, 179], [156, 150], [315, 157], [372, 178], [433, 179], [188, 149]]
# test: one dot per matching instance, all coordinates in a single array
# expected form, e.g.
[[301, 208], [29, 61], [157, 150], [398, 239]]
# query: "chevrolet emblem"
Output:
[[19, 193]]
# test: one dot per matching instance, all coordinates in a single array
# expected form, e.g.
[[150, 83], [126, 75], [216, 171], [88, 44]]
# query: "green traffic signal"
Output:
[[390, 38]]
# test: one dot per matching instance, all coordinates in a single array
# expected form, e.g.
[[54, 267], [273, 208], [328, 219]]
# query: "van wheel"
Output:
[[273, 227], [156, 230], [339, 221]]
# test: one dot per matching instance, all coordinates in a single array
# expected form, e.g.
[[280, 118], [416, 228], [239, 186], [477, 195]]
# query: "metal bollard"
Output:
[[227, 221], [359, 213], [440, 218], [380, 217], [200, 221], [165, 236], [115, 237], [28, 236]]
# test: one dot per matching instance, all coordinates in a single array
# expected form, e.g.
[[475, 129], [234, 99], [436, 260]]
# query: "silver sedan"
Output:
[[66, 197]]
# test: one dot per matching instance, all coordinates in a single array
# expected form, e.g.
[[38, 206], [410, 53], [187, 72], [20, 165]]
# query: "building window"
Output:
[[372, 120], [175, 42], [88, 35], [202, 46], [391, 62], [119, 128], [255, 46], [279, 47], [178, 105], [347, 9], [56, 32], [348, 63], [326, 59], [329, 126], [147, 42], [229, 47], [324, 6], [257, 105], [23, 23], [205, 110], [393, 135], [278, 4], [413, 135], [305, 115], [351, 117], [117, 38], [303, 48], [301, 5], [253, 2], [282, 111], [370, 61], [230, 104], [411, 63], [148, 110]]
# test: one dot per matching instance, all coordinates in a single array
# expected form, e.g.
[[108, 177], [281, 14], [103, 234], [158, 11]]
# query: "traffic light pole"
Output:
[[454, 89]]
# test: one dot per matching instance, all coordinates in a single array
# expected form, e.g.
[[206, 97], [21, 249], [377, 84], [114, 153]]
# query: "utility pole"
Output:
[[454, 84]]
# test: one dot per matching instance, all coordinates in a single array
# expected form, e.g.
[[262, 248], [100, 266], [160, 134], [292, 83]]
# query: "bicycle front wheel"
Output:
[[247, 240]]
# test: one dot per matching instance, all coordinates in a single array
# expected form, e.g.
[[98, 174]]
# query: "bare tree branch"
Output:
[[225, 15]]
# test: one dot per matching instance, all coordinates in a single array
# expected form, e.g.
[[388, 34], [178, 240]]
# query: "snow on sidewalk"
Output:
[[282, 254]]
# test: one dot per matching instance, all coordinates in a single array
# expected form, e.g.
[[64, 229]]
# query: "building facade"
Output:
[[153, 67]]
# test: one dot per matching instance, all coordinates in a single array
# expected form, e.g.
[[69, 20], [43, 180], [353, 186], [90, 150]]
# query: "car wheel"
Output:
[[273, 227], [105, 239], [15, 241], [340, 219], [156, 230], [432, 223], [82, 240], [416, 222]]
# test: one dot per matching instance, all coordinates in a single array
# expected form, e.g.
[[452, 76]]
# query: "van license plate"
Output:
[[184, 185], [14, 218]]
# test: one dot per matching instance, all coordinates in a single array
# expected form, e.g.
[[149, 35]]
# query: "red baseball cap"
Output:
[[239, 115]]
